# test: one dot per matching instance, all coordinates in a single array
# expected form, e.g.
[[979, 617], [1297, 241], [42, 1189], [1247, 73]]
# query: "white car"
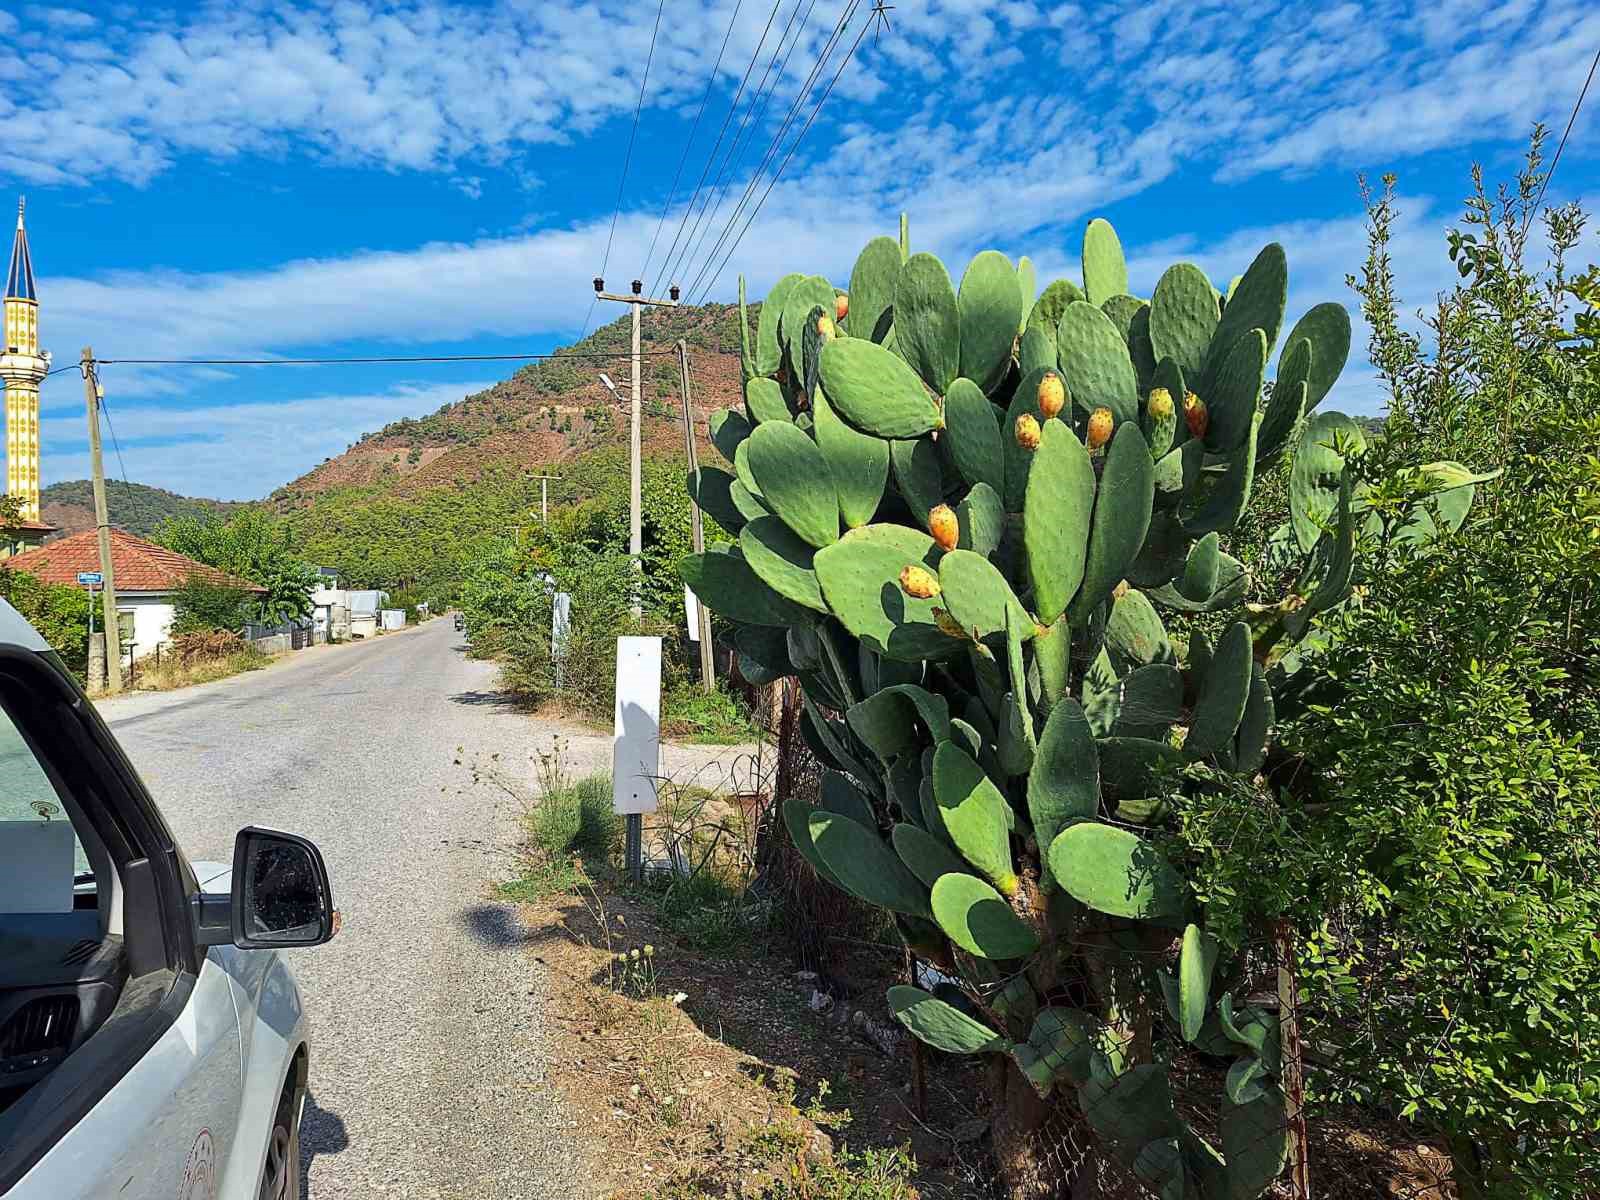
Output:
[[152, 1041]]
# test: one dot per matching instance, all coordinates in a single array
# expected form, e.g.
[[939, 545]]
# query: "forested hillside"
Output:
[[409, 505], [135, 507]]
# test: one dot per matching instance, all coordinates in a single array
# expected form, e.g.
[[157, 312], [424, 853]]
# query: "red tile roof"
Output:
[[138, 565], [32, 527]]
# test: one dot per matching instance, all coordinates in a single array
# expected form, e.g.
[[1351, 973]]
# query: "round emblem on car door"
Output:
[[199, 1170]]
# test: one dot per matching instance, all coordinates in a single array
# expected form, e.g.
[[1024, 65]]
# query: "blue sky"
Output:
[[291, 179]]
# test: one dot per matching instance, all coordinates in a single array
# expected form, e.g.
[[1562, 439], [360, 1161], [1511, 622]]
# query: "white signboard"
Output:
[[691, 610], [636, 730]]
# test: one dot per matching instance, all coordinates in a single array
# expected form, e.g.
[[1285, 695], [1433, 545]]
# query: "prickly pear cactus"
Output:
[[966, 517]]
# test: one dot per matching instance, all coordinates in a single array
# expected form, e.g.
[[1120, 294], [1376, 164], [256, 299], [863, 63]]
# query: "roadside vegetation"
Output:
[[695, 1061]]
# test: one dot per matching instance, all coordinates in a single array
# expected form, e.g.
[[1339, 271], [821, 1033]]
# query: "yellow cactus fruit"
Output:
[[1121, 590], [1100, 424], [919, 582], [825, 327], [1052, 395], [841, 306], [1160, 404], [1195, 415], [1028, 432], [944, 527]]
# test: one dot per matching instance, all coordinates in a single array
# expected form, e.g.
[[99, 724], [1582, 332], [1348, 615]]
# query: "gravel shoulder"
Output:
[[428, 1070]]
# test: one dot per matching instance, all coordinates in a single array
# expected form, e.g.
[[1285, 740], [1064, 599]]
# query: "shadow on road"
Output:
[[321, 1132], [495, 925], [487, 700]]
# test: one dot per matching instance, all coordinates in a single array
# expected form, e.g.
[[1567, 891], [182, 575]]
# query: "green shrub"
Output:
[[201, 605], [1451, 736], [59, 613], [577, 819]]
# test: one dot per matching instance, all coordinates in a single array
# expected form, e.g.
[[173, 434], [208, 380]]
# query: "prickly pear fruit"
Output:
[[1100, 424], [841, 306], [1028, 431], [1195, 415], [919, 582], [1160, 404], [1052, 395], [825, 328], [944, 527]]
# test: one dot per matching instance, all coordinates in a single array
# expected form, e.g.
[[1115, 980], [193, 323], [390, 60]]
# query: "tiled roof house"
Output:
[[146, 575]]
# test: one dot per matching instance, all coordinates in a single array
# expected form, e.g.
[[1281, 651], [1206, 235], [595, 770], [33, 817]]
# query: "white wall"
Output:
[[152, 619]]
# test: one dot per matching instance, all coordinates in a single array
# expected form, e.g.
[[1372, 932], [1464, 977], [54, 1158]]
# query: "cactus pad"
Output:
[[795, 481], [1094, 359], [1116, 872], [976, 917], [872, 284], [1105, 270], [1121, 518], [974, 434], [782, 561], [990, 310], [974, 813], [1183, 318], [942, 1026], [866, 866], [1058, 504], [927, 323]]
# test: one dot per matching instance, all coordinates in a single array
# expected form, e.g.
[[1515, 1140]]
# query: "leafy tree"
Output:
[[1443, 858], [251, 545], [58, 612], [202, 605]]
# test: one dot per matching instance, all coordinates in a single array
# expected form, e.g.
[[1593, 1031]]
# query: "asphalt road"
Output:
[[426, 1068]]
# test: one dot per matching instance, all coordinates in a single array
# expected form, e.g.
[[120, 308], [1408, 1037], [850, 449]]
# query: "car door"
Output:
[[148, 1106]]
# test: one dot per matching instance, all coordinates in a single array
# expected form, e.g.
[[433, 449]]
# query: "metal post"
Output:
[[544, 499], [635, 478], [697, 539], [108, 589], [634, 846]]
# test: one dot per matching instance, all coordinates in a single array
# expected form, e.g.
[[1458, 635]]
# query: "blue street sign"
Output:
[[91, 578]]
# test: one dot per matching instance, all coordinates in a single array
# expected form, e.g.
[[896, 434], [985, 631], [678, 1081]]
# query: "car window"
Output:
[[28, 798]]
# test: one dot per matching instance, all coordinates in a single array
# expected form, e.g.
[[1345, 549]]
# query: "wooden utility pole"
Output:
[[108, 583], [697, 538], [635, 471]]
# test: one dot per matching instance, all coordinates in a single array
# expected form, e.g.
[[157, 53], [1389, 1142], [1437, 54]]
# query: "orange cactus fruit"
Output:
[[919, 582], [1160, 404], [1100, 425], [944, 526], [1028, 432], [1052, 395], [841, 306], [1195, 415]]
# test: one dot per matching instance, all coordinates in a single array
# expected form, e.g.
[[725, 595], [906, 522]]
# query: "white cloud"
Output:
[[239, 451]]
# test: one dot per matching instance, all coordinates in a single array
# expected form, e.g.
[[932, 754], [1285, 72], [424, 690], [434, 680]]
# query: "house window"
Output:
[[125, 626]]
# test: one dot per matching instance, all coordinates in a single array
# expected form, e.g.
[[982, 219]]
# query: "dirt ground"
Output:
[[694, 1075]]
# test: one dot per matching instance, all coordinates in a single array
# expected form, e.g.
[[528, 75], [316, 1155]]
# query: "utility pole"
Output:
[[696, 528], [544, 496], [635, 472], [108, 584]]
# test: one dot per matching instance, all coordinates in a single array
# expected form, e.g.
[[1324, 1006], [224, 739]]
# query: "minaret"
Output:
[[22, 368]]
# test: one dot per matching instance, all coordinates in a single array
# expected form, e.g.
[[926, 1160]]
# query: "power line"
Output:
[[848, 16], [717, 145], [397, 358], [102, 406], [672, 192], [1562, 144], [777, 140], [622, 183], [710, 283], [696, 236]]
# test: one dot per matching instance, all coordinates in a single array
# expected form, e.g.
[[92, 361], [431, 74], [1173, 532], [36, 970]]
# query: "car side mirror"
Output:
[[280, 896]]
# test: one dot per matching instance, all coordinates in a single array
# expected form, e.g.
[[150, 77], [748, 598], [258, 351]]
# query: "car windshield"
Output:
[[28, 803]]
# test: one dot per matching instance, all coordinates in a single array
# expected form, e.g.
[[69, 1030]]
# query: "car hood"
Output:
[[215, 878]]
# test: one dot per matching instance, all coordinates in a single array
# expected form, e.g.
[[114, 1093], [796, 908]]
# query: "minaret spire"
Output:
[[22, 368]]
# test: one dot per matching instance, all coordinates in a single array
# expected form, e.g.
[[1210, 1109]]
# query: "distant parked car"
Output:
[[153, 1043]]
